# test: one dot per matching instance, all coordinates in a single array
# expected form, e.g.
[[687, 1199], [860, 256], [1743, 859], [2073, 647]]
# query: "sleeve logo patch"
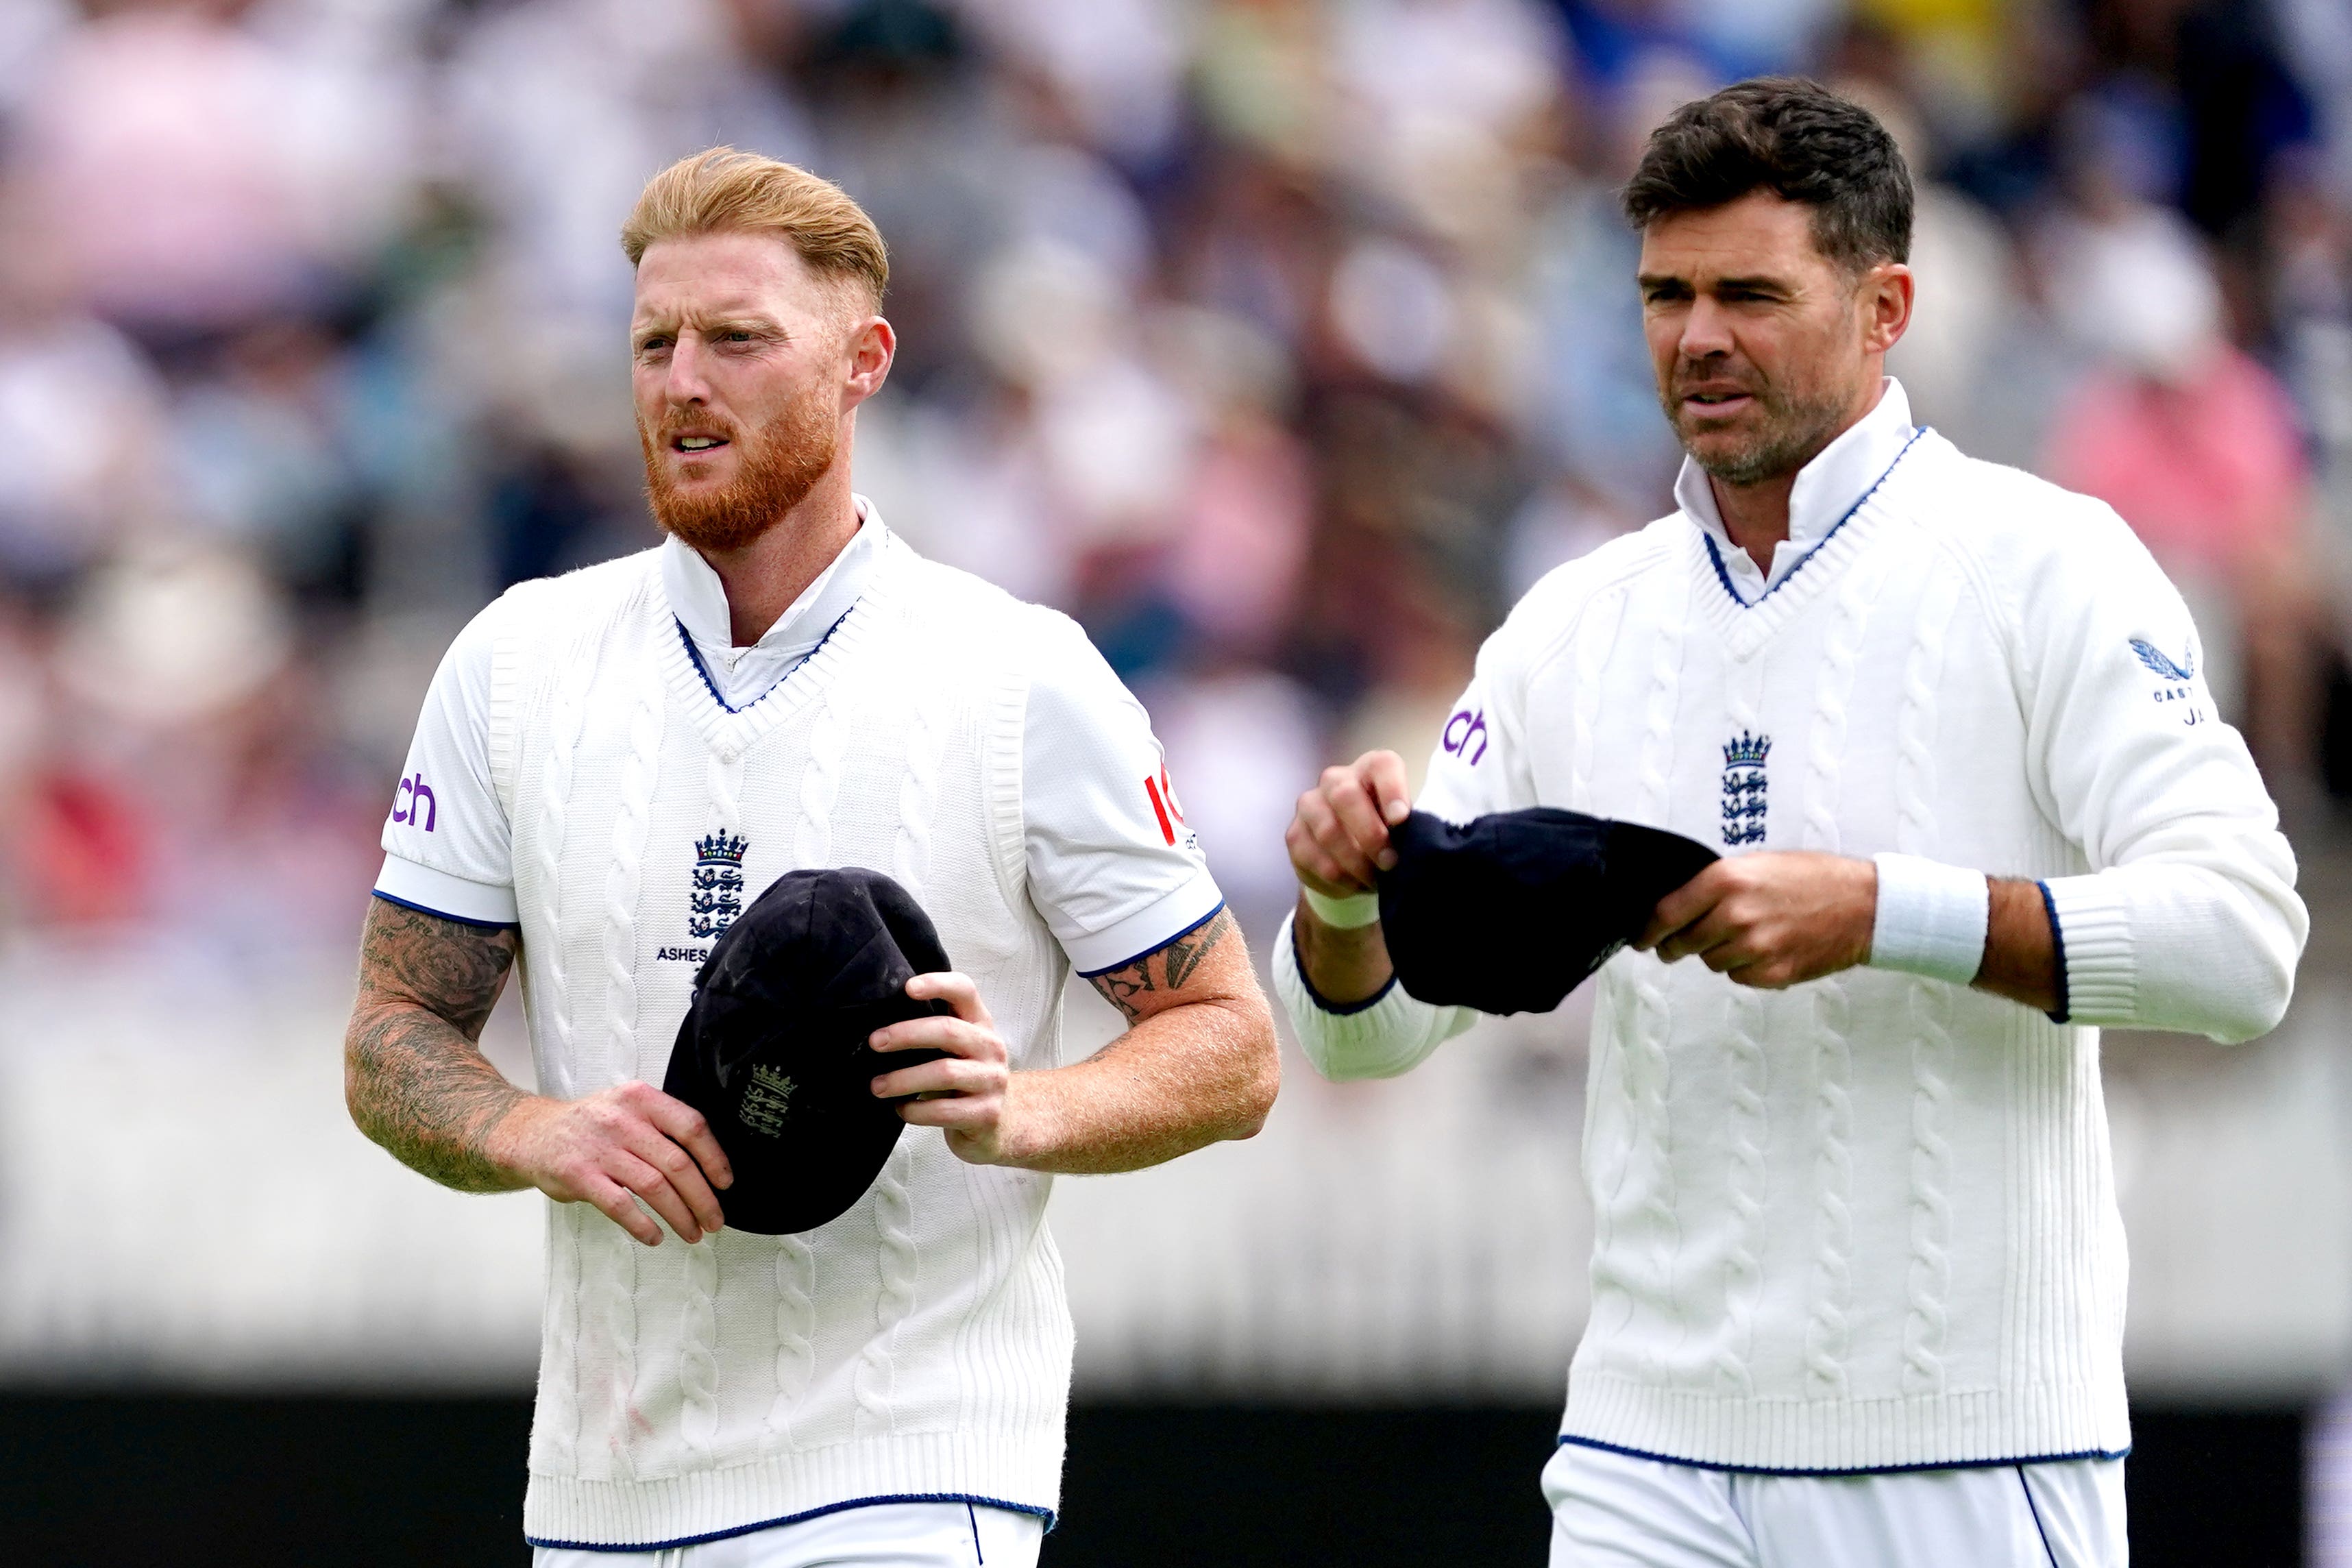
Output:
[[1467, 728], [2172, 680], [412, 803], [1161, 792]]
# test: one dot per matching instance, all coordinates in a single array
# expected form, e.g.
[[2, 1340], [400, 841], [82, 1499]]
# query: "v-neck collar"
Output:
[[732, 731], [1745, 626], [699, 600], [1827, 492]]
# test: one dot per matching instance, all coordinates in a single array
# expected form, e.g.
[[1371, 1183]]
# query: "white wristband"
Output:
[[1344, 914], [1932, 919]]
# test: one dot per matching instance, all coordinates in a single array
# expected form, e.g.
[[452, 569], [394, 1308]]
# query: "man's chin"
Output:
[[713, 534]]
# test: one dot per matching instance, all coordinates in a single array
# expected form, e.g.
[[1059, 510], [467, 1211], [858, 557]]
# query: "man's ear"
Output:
[[1885, 295], [870, 348]]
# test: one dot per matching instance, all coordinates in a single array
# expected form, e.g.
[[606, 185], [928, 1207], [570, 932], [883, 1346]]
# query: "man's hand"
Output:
[[620, 1144], [1338, 841], [1339, 837], [969, 1092], [1771, 920]]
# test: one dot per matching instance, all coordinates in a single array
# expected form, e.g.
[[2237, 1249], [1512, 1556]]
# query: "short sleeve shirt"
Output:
[[1112, 867]]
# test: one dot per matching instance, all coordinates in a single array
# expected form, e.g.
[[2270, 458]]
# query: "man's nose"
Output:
[[1706, 330], [686, 383]]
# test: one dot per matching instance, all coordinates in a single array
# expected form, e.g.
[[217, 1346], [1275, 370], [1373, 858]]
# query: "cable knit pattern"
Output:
[[698, 1348], [640, 772], [556, 1424], [1928, 1268], [813, 841], [897, 1264], [1929, 1279], [792, 1324], [910, 856], [1746, 1123], [1595, 635], [897, 1261], [918, 1345], [1648, 1067], [1826, 1328]]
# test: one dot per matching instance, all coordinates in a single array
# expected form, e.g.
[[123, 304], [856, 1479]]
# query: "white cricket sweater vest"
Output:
[[1870, 1222], [920, 1345]]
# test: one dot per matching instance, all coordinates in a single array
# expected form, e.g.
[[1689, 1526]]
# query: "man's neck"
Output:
[[765, 577], [1757, 515]]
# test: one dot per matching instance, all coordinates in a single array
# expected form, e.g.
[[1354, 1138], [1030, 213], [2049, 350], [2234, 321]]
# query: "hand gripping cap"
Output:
[[773, 1047], [1510, 913]]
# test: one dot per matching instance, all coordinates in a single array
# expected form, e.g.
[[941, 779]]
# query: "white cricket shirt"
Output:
[[1869, 1223], [1112, 866]]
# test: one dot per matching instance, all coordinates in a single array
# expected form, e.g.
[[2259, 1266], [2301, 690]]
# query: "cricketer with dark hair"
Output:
[[1858, 1272]]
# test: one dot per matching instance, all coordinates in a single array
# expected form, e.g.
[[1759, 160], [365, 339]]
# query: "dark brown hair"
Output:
[[1797, 139]]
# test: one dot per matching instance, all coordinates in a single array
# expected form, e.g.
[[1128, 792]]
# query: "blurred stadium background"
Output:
[[1282, 341]]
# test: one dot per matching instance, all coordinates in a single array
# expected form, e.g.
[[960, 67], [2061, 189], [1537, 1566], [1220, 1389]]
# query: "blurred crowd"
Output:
[[1283, 342]]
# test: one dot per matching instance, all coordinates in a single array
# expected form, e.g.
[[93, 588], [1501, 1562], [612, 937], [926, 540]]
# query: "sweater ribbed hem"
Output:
[[2102, 969], [1790, 1435], [1022, 1472]]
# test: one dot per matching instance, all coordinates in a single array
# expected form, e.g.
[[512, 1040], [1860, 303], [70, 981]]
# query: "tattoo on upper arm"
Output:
[[1177, 963], [452, 968], [418, 1084]]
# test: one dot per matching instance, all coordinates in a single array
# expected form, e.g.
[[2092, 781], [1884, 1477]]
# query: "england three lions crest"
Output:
[[716, 896], [1745, 801]]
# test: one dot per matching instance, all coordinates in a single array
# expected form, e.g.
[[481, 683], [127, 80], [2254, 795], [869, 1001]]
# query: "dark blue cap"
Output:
[[1511, 911], [773, 1050]]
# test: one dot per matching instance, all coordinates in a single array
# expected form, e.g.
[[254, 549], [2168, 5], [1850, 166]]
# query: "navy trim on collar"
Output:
[[1724, 577], [711, 686]]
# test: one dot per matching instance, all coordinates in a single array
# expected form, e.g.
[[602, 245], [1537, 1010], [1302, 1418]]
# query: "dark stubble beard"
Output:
[[778, 468], [1791, 433]]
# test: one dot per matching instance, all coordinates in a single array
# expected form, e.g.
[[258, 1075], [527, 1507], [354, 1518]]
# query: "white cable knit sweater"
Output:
[[920, 1345], [1869, 1222]]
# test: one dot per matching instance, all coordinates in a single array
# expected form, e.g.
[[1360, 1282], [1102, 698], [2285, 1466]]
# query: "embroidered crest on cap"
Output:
[[766, 1099]]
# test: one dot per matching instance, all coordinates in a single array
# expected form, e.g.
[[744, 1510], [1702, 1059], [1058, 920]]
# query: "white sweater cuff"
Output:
[[2095, 951], [1381, 1037], [1932, 919]]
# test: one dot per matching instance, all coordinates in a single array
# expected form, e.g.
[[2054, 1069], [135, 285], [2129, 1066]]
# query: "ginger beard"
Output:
[[1786, 429], [774, 473]]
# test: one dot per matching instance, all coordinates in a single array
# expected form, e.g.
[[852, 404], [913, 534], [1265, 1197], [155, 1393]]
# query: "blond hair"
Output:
[[723, 191]]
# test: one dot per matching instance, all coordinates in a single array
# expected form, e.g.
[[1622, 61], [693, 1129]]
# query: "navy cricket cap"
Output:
[[1512, 911], [773, 1050]]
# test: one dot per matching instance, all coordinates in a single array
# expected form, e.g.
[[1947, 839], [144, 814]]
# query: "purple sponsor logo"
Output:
[[414, 803], [1462, 730]]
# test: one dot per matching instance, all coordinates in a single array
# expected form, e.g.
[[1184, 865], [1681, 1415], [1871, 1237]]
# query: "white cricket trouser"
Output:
[[871, 1535], [1617, 1510]]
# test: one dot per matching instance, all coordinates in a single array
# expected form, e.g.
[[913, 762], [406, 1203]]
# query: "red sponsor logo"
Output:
[[1161, 792]]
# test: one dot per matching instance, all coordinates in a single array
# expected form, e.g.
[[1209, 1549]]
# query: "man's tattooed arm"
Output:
[[1197, 1063], [1160, 973], [414, 1077]]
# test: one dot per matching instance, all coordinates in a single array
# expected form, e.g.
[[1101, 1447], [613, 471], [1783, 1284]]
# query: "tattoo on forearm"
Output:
[[1177, 963], [418, 1084]]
